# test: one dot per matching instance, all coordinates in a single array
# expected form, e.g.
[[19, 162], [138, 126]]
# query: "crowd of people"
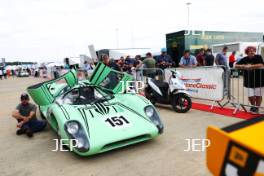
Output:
[[5, 73], [153, 64]]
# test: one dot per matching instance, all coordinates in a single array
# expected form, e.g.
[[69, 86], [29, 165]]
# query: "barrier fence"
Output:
[[246, 89], [141, 74], [218, 84]]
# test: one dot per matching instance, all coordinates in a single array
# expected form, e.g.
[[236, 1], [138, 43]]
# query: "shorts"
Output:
[[258, 91]]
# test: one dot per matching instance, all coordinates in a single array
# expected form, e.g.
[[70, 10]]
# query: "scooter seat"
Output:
[[161, 84]]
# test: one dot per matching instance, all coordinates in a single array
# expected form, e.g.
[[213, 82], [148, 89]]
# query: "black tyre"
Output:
[[181, 103]]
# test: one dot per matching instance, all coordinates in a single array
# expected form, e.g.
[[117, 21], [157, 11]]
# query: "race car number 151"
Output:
[[117, 121]]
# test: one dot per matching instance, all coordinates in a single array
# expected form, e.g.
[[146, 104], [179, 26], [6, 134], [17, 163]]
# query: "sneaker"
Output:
[[29, 133], [20, 131], [254, 110]]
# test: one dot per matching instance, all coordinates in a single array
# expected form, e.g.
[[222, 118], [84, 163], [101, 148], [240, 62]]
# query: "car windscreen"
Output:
[[111, 80], [84, 95]]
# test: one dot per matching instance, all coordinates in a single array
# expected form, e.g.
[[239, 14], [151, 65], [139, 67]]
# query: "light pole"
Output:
[[117, 38], [188, 9]]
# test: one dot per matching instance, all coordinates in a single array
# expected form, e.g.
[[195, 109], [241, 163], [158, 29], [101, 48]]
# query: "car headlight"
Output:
[[72, 127], [154, 117], [149, 110], [75, 131], [80, 143]]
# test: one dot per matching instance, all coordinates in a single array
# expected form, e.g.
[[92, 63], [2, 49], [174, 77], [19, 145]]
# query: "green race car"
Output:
[[94, 113]]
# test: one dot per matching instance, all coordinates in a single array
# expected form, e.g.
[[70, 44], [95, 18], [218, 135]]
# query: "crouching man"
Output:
[[25, 114]]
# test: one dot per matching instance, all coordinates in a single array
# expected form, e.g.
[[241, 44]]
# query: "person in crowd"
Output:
[[150, 63], [28, 70], [138, 60], [232, 59], [1, 74], [200, 57], [112, 79], [253, 76], [25, 114], [239, 57], [138, 65], [13, 73], [110, 63], [86, 67], [221, 58], [66, 64], [54, 72], [129, 63], [209, 58], [121, 63], [164, 60], [5, 73], [188, 60]]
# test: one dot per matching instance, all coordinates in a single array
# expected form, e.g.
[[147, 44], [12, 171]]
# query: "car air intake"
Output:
[[125, 142]]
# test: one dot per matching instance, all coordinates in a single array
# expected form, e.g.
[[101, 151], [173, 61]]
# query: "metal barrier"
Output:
[[246, 89], [201, 72], [141, 74], [206, 77]]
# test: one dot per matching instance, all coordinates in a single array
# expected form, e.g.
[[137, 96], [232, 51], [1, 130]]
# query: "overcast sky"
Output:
[[42, 30]]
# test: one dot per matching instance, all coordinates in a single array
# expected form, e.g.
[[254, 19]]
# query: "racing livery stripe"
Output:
[[46, 93], [86, 122], [100, 74], [91, 113], [106, 109], [98, 109], [63, 112], [128, 108], [103, 108], [68, 116], [114, 108], [84, 119], [143, 99], [74, 77], [94, 72]]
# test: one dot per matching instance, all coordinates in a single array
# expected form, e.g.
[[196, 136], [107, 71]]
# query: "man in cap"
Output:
[[164, 60], [25, 114]]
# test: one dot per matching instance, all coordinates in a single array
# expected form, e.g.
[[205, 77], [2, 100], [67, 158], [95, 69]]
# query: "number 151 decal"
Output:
[[117, 121]]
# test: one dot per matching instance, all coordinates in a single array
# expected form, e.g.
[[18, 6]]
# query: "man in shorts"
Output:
[[25, 114], [253, 76]]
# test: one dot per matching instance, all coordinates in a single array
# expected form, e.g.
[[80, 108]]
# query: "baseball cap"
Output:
[[24, 96], [163, 50]]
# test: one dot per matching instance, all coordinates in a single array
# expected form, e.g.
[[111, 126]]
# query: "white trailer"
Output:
[[239, 47]]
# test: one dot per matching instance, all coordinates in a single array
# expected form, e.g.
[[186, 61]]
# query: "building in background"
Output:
[[179, 41]]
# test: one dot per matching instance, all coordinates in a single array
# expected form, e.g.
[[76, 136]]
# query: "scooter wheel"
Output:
[[181, 103]]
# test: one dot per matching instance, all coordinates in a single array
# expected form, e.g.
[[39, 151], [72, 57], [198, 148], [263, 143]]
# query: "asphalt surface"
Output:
[[163, 156]]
